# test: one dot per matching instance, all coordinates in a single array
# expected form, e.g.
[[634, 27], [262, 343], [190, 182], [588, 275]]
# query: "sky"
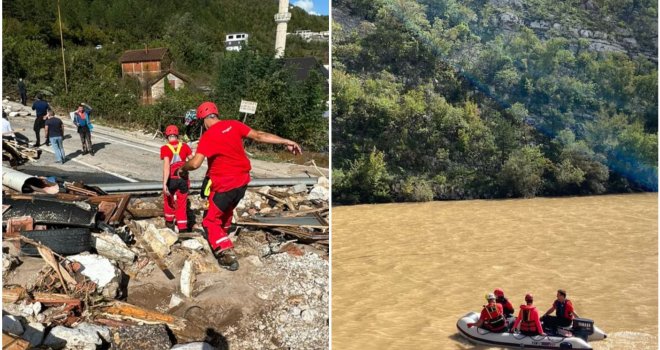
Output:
[[315, 7]]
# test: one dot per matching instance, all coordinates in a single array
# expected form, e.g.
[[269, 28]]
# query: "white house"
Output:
[[235, 41]]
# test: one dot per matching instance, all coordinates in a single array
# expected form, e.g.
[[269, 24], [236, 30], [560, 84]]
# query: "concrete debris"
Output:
[[254, 260], [12, 324], [192, 244], [8, 263], [318, 193], [79, 339], [101, 271], [299, 188], [102, 331], [160, 240], [113, 247], [34, 333], [187, 279], [175, 301]]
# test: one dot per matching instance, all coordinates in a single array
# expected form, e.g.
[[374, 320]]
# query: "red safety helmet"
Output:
[[171, 130], [529, 297], [206, 109], [498, 292]]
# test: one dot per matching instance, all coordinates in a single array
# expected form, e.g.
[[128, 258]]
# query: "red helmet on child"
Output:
[[206, 109], [171, 130]]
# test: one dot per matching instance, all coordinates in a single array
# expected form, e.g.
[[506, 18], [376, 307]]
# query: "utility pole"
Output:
[[59, 14]]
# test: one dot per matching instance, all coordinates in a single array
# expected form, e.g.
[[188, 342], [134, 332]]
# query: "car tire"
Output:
[[65, 241]]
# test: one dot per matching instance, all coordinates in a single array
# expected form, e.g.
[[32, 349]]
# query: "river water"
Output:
[[403, 274]]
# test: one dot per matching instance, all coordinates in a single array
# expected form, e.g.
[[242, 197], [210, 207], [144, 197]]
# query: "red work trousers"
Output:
[[174, 205], [218, 217]]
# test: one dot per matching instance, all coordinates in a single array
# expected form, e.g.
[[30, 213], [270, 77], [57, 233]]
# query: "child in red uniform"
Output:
[[175, 188]]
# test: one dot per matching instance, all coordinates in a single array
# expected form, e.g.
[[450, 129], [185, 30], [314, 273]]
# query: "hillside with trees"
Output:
[[194, 33], [493, 98]]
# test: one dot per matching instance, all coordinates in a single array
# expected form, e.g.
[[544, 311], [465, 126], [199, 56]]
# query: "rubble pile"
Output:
[[88, 270]]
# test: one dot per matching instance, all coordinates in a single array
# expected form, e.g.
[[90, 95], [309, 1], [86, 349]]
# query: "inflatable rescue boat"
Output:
[[578, 337]]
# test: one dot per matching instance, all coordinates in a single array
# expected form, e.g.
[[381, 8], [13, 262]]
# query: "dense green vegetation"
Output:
[[431, 101], [194, 32]]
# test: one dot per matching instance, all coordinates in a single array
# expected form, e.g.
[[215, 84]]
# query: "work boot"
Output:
[[227, 259], [170, 225]]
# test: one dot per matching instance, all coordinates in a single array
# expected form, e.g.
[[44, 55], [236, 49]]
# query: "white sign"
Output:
[[248, 107]]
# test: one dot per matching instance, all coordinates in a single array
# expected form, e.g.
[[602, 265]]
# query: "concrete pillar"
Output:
[[281, 18]]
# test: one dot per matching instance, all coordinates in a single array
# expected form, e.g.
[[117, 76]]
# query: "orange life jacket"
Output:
[[527, 324], [495, 321]]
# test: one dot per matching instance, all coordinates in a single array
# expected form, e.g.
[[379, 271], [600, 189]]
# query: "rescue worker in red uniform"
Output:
[[229, 173], [492, 316], [528, 322], [175, 188], [506, 304], [565, 312]]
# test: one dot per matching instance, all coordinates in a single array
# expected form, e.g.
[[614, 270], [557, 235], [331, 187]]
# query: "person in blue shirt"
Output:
[[40, 107], [82, 121]]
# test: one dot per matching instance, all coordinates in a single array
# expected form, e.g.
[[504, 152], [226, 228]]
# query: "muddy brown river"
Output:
[[403, 274]]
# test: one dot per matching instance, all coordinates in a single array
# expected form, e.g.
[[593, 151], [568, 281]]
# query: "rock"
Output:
[[263, 296], [630, 42], [305, 207], [9, 262], [152, 337], [35, 308], [34, 333], [193, 346], [586, 33], [309, 315], [113, 247], [295, 311], [318, 193], [265, 210], [175, 301], [299, 188], [160, 240], [11, 324], [101, 271], [192, 244], [254, 260], [79, 339], [252, 212], [187, 279], [13, 114], [89, 328], [556, 26]]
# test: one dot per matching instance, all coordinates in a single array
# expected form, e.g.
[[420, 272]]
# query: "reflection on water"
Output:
[[403, 274]]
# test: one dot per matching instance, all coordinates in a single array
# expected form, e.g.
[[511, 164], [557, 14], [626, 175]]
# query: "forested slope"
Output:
[[482, 99]]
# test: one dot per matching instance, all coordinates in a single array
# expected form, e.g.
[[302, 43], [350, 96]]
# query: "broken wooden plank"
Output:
[[274, 224], [56, 299], [50, 259], [121, 310], [12, 342], [153, 256], [13, 294]]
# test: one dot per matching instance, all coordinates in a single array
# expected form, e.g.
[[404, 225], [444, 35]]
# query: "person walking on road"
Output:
[[55, 133], [175, 188], [22, 91], [229, 173], [83, 122], [40, 107]]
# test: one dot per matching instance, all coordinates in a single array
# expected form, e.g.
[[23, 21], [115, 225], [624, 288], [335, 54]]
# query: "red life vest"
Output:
[[527, 324], [495, 321]]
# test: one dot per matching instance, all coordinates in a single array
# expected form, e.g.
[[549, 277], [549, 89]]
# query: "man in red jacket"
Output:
[[492, 316], [528, 322], [565, 312], [175, 189], [506, 304], [229, 173]]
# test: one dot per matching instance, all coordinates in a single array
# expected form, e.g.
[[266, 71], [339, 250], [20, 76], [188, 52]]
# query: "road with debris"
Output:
[[120, 155]]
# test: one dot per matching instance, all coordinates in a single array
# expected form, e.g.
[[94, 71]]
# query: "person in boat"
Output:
[[528, 322], [506, 304], [565, 312], [492, 316]]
